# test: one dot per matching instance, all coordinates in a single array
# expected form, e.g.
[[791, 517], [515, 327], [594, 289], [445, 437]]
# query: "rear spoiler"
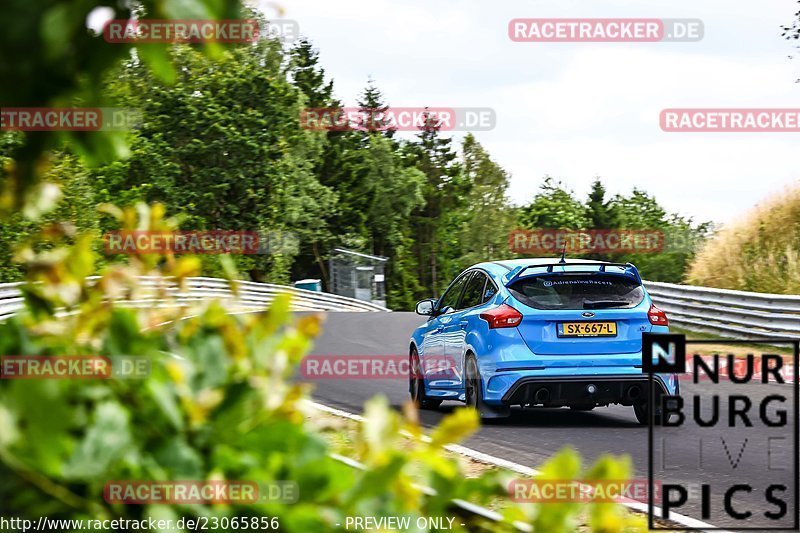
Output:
[[516, 273]]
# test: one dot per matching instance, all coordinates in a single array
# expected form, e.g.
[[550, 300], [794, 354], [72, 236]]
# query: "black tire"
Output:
[[473, 392], [416, 385], [582, 407], [642, 412]]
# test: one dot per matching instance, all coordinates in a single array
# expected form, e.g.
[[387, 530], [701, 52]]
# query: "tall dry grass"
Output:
[[759, 252]]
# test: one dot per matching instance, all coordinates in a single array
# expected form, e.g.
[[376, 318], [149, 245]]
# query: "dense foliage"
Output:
[[555, 206], [221, 146], [219, 402], [221, 143]]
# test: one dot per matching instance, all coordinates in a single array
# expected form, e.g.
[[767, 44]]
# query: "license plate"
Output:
[[587, 329]]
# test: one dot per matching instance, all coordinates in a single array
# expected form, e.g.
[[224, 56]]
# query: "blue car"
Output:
[[538, 332]]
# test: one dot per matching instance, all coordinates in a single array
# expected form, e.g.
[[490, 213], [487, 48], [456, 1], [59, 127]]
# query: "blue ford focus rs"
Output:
[[538, 332]]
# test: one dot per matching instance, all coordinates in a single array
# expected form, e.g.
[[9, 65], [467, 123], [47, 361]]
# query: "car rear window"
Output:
[[579, 291]]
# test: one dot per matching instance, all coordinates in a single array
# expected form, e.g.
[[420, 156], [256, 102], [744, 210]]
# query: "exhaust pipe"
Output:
[[542, 395], [634, 392]]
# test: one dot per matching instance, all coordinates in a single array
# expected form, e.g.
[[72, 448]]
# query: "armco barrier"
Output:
[[236, 296], [739, 314], [717, 311]]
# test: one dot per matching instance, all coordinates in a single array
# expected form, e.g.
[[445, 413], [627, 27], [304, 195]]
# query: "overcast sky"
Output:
[[580, 110]]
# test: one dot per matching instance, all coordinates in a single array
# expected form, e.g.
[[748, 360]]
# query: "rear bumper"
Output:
[[625, 389]]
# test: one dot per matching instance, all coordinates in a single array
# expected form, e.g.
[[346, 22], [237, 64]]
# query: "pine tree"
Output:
[[601, 213], [487, 219], [374, 111], [445, 190], [309, 77]]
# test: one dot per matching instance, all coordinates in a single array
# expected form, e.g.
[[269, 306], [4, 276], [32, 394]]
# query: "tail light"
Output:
[[503, 316], [657, 317]]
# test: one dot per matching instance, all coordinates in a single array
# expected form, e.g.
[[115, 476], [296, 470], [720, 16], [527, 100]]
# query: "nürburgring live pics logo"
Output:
[[726, 450]]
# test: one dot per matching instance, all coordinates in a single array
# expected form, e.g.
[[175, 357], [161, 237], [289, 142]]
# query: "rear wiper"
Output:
[[602, 304]]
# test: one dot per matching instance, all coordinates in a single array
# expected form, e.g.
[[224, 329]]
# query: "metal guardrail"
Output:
[[727, 313], [720, 312], [245, 296]]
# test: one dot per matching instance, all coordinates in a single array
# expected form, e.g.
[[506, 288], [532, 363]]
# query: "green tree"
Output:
[[49, 58], [601, 215], [444, 193], [224, 145], [554, 207], [395, 190], [373, 108], [487, 218], [307, 75], [331, 168], [639, 210], [65, 178], [599, 211]]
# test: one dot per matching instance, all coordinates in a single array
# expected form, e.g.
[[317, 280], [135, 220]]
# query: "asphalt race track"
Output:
[[530, 436]]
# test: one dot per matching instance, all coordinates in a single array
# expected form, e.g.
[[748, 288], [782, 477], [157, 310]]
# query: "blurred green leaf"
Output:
[[106, 440]]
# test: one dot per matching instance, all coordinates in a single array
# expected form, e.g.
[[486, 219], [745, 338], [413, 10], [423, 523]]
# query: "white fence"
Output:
[[161, 292], [744, 315]]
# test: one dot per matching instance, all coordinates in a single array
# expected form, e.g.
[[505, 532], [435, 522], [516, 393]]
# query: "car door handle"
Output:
[[464, 324]]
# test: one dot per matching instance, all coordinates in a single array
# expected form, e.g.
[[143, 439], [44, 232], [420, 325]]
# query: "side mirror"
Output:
[[425, 307]]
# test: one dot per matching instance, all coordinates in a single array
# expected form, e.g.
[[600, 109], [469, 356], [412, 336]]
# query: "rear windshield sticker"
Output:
[[548, 283]]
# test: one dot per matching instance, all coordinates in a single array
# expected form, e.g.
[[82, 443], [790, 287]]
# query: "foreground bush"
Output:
[[218, 404]]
